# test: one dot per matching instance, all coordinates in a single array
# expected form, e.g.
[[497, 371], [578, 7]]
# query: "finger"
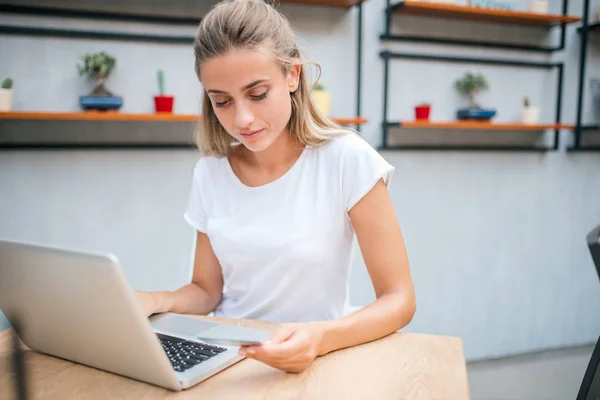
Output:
[[283, 333], [296, 344], [280, 335]]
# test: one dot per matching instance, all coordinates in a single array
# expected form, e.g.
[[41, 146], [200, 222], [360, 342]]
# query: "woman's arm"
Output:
[[294, 347], [382, 246], [201, 296]]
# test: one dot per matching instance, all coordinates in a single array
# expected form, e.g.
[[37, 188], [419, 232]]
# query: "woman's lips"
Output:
[[250, 135]]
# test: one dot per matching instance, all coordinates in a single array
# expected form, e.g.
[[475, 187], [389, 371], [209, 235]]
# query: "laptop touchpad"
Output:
[[181, 325]]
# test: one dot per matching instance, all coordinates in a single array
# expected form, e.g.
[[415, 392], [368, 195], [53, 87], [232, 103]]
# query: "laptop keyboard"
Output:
[[184, 354]]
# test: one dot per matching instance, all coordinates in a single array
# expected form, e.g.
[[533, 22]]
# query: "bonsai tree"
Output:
[[7, 83], [470, 85], [97, 66]]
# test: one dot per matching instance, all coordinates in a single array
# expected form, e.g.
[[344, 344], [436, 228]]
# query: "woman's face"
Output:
[[250, 95]]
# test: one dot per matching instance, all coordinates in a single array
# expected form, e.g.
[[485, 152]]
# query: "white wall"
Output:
[[496, 240]]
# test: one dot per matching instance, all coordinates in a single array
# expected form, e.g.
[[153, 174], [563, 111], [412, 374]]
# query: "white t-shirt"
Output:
[[285, 247]]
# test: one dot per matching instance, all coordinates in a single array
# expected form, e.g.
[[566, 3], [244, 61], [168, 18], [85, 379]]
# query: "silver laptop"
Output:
[[79, 306]]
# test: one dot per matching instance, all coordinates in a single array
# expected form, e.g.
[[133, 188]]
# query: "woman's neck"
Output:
[[280, 153]]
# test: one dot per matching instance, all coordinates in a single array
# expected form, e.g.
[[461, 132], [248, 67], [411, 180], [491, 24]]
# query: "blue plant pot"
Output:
[[478, 114], [101, 103]]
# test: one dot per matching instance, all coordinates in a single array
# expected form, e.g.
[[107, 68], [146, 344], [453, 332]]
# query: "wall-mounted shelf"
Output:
[[595, 27], [557, 126], [477, 14], [117, 116], [326, 3], [518, 149], [100, 130], [587, 148], [580, 128], [476, 125], [416, 7]]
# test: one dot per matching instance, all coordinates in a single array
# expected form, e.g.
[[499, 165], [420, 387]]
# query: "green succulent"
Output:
[[319, 86], [7, 83]]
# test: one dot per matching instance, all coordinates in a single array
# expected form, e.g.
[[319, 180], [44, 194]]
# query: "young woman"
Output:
[[277, 198]]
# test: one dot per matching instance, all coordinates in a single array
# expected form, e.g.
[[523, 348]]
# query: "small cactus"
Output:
[[7, 83], [161, 82], [526, 102]]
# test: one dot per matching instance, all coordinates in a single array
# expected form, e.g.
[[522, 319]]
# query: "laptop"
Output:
[[79, 306]]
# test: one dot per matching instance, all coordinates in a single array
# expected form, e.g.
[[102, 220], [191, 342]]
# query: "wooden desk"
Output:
[[400, 366]]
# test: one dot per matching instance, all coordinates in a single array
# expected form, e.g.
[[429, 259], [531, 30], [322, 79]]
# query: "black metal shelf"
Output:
[[97, 15], [584, 32], [96, 146], [589, 28], [387, 124], [521, 149], [474, 14], [93, 35], [588, 149], [590, 127]]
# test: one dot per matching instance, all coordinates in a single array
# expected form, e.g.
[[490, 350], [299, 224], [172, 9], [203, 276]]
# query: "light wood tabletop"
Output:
[[399, 366]]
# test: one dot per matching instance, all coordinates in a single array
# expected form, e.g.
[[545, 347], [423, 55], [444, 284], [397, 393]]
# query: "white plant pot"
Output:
[[530, 115], [539, 6], [322, 100], [5, 100]]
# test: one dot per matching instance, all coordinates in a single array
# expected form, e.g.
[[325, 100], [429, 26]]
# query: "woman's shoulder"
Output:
[[209, 166], [350, 145]]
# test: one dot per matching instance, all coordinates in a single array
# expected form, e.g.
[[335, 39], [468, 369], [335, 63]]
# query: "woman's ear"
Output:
[[293, 77]]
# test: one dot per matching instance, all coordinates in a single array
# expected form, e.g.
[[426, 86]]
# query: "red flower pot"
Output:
[[422, 112], [164, 103]]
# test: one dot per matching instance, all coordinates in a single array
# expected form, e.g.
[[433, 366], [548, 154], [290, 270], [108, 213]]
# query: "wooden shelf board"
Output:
[[326, 3], [416, 7], [97, 116], [476, 125], [117, 116], [349, 121]]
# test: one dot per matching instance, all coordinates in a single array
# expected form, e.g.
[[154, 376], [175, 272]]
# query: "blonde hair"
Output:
[[248, 24]]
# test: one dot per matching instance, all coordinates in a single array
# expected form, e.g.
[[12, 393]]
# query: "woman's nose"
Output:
[[243, 117]]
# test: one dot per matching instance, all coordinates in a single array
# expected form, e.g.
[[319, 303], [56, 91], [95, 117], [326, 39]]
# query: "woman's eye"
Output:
[[221, 104], [260, 96]]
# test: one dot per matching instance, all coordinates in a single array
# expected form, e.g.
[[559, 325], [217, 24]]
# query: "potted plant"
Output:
[[98, 67], [529, 114], [321, 98], [538, 6], [162, 103], [6, 95], [470, 85], [422, 111]]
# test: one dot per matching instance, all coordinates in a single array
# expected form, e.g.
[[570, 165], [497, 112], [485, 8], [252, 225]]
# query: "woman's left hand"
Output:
[[292, 348]]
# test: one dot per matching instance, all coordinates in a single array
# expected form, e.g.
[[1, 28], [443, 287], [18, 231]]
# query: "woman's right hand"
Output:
[[147, 301]]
